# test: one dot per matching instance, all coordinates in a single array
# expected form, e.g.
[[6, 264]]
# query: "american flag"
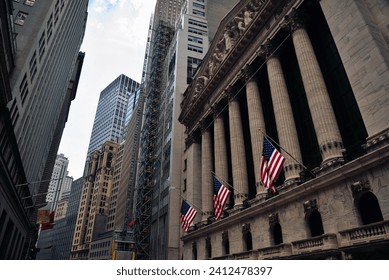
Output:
[[271, 164], [220, 197], [188, 213]]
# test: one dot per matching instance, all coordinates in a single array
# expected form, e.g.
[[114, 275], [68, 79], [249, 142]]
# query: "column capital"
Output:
[[229, 94], [192, 138], [293, 21], [217, 109], [267, 49], [247, 73], [204, 125]]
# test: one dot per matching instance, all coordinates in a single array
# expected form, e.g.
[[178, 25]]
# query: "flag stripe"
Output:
[[220, 198], [271, 164], [188, 213]]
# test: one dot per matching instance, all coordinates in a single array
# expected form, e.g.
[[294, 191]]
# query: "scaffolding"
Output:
[[161, 39]]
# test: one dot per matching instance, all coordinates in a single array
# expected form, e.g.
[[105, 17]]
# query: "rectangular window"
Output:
[[21, 18], [195, 39], [33, 66], [14, 112], [49, 27], [197, 5], [23, 88], [195, 48], [42, 43], [198, 13], [197, 31], [29, 3], [197, 23]]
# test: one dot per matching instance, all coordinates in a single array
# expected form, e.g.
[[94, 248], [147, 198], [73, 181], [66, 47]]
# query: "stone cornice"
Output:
[[347, 172]]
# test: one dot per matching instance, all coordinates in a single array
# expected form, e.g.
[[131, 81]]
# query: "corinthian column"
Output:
[[238, 154], [256, 122], [193, 171], [324, 121], [206, 175], [286, 127], [221, 164]]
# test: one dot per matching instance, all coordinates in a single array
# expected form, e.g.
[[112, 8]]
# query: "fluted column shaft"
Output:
[[206, 175], [324, 121], [286, 127], [238, 154], [194, 190], [221, 164], [256, 122]]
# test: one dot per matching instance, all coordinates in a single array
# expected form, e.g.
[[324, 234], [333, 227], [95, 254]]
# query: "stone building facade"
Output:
[[312, 76]]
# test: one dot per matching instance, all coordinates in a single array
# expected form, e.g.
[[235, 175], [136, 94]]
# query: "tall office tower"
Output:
[[121, 218], [111, 111], [313, 77], [161, 144], [56, 243], [95, 197], [167, 11], [59, 182], [41, 65], [15, 213]]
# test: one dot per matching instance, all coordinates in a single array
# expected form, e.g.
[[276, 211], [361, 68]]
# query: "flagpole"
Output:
[[192, 204], [267, 136], [235, 190]]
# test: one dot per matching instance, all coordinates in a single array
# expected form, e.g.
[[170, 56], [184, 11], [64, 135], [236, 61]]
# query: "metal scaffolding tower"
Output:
[[161, 39]]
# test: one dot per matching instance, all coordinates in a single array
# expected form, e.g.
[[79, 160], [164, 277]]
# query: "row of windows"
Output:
[[197, 31], [199, 13], [197, 23], [197, 5], [195, 48], [195, 39]]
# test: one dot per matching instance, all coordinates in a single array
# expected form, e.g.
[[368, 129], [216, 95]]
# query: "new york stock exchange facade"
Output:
[[314, 77]]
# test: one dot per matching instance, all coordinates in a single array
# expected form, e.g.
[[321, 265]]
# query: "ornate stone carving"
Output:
[[267, 49], [217, 109], [247, 73], [273, 219], [246, 228], [310, 205], [360, 186], [293, 21], [225, 235]]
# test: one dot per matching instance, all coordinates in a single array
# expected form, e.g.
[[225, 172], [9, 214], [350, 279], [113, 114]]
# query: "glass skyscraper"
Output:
[[112, 110]]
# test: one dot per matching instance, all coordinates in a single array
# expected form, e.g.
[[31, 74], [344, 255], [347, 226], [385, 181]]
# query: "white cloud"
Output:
[[114, 44]]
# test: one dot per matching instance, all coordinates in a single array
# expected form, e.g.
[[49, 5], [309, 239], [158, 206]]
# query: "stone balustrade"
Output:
[[364, 234]]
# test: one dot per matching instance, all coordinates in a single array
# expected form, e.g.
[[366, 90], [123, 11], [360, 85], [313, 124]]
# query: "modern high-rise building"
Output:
[[60, 183], [313, 77], [114, 102], [41, 65]]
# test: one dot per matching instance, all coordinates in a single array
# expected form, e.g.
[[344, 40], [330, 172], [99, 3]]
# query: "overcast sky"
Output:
[[114, 44]]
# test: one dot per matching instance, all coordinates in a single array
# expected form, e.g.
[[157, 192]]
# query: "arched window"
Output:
[[315, 223], [225, 243], [208, 248], [248, 241], [368, 208], [277, 234], [194, 251]]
